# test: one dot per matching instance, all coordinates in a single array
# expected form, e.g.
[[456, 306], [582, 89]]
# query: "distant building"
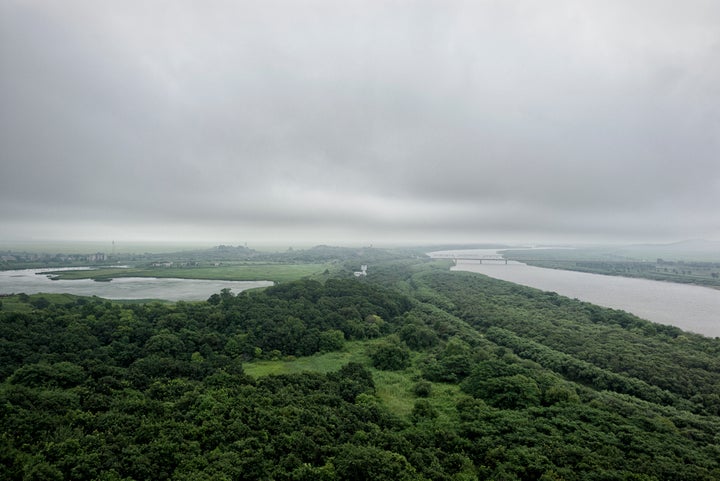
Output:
[[162, 264], [99, 256], [362, 272]]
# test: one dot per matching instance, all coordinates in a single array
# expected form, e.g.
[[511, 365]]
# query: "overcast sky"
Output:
[[360, 121]]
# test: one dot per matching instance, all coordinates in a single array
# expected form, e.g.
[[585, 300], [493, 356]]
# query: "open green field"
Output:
[[393, 388], [325, 362], [244, 272]]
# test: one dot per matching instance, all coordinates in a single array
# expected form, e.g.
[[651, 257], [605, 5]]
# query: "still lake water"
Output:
[[32, 281], [691, 308]]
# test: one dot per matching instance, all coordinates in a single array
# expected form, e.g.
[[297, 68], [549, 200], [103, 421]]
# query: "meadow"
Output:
[[234, 272]]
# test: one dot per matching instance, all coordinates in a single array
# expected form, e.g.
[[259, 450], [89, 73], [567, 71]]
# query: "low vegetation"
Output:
[[235, 272], [412, 373]]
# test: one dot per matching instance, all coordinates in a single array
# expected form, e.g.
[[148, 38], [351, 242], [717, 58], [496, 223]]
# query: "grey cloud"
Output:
[[392, 118]]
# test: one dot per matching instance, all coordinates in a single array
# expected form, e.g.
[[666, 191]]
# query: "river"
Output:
[[691, 308], [32, 281]]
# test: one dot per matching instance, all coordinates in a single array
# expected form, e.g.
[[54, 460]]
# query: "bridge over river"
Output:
[[490, 259]]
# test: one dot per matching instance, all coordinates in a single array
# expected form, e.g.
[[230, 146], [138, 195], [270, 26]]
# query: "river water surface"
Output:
[[32, 281], [691, 308]]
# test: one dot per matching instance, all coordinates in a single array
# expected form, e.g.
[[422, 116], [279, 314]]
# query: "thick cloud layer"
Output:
[[360, 120]]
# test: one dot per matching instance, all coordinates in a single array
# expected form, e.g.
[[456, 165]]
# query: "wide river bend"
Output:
[[691, 308]]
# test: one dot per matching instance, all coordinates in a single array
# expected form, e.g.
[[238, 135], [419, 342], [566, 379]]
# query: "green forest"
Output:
[[411, 373]]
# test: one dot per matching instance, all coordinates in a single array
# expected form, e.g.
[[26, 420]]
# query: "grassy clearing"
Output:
[[444, 398], [393, 388], [326, 362], [244, 272]]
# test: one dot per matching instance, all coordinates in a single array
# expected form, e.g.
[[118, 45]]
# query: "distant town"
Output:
[[10, 256]]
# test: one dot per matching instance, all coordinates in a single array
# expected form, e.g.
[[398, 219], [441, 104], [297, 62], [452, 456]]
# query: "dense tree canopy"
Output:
[[455, 377]]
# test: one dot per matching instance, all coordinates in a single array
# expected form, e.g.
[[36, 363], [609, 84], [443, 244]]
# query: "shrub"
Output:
[[390, 356]]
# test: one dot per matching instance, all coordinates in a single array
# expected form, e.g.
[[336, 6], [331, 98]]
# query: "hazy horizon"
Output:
[[684, 247], [358, 123]]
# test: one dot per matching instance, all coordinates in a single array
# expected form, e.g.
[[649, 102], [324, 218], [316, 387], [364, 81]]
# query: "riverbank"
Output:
[[692, 308], [627, 269], [700, 271]]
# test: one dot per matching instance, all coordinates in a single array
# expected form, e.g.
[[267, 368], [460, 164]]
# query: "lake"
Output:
[[32, 281], [691, 308]]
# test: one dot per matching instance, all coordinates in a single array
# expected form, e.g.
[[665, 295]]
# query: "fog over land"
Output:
[[360, 121]]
